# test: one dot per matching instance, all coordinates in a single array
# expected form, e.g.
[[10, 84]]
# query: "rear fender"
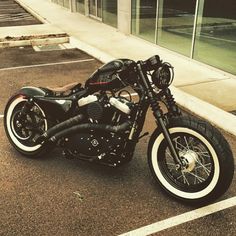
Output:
[[32, 92], [55, 107]]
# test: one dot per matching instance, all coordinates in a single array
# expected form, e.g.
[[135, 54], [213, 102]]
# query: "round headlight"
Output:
[[163, 76]]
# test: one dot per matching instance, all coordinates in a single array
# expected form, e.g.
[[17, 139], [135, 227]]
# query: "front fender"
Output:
[[30, 91]]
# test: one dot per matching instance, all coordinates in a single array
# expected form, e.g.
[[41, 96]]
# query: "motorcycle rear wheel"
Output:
[[210, 164], [19, 135]]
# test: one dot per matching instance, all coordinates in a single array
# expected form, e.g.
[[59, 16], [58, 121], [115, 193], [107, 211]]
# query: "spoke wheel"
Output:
[[199, 164], [26, 127], [22, 129], [208, 162]]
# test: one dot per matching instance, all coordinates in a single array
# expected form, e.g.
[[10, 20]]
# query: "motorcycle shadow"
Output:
[[90, 167]]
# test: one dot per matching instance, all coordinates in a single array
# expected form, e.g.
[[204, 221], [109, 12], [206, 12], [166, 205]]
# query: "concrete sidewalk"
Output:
[[202, 89]]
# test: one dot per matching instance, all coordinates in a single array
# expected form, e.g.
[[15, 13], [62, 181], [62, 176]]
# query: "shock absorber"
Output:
[[171, 103], [156, 109]]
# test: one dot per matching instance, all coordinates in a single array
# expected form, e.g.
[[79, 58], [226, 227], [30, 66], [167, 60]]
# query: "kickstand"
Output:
[[143, 135]]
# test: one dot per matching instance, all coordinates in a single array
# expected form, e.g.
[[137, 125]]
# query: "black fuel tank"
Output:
[[110, 76]]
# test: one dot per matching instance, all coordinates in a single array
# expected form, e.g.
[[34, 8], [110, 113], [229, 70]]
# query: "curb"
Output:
[[207, 111], [34, 42]]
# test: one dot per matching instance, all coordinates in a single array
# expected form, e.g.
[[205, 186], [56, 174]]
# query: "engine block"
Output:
[[103, 109], [95, 144]]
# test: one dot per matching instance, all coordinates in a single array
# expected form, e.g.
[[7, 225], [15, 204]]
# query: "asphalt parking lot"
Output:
[[12, 14], [57, 196]]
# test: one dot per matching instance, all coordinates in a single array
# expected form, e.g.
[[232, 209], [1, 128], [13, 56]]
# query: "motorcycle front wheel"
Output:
[[21, 131], [209, 161]]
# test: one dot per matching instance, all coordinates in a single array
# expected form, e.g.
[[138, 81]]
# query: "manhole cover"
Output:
[[52, 47]]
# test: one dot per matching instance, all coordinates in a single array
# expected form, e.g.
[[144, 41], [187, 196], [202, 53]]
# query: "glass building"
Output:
[[204, 30], [109, 12], [80, 6], [102, 10]]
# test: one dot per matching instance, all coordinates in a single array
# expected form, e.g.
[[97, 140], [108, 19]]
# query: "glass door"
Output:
[[95, 9], [144, 19], [109, 13]]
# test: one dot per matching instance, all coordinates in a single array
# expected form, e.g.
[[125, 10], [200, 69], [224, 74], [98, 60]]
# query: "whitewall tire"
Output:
[[209, 169], [21, 143]]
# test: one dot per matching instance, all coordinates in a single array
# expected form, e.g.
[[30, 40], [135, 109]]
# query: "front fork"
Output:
[[158, 114]]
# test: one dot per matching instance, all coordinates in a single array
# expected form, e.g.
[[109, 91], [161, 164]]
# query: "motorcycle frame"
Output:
[[147, 97]]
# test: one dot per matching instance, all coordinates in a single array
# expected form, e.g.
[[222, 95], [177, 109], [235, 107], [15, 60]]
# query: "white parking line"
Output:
[[183, 218], [46, 64]]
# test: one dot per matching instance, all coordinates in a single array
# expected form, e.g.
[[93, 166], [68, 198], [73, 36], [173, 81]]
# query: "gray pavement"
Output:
[[12, 14]]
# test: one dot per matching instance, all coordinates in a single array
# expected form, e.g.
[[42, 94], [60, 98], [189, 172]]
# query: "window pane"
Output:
[[99, 8], [175, 25], [144, 18], [80, 6], [109, 14], [92, 7], [216, 34]]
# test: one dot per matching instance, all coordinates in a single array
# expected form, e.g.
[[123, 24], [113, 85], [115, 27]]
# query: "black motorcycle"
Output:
[[102, 122]]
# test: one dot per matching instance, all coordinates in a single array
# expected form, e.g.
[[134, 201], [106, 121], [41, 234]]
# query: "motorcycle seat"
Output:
[[63, 89]]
